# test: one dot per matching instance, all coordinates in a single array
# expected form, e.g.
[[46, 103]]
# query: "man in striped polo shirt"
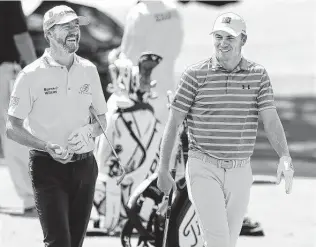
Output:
[[222, 99]]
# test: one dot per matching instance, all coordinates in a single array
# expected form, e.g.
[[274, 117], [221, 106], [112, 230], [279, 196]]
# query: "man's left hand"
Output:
[[81, 140], [286, 168]]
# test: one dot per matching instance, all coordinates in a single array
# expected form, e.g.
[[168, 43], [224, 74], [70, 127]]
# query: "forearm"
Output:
[[22, 136], [103, 151], [168, 141], [25, 47], [276, 136], [96, 128]]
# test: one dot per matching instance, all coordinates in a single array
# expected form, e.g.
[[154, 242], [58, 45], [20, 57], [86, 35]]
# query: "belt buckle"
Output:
[[226, 164], [73, 158]]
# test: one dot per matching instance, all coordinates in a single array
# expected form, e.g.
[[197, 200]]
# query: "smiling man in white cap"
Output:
[[222, 98], [62, 37], [53, 94], [229, 33]]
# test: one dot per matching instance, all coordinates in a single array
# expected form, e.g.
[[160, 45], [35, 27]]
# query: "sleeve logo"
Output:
[[14, 101]]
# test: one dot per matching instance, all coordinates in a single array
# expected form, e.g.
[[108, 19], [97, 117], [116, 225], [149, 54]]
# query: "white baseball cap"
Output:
[[230, 23], [62, 14]]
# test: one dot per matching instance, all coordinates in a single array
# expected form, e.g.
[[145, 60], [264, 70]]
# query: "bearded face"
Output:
[[66, 36]]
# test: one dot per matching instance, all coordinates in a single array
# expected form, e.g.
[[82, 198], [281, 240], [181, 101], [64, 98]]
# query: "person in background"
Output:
[[16, 48], [155, 26]]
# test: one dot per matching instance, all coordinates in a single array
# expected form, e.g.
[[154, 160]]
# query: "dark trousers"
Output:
[[64, 196]]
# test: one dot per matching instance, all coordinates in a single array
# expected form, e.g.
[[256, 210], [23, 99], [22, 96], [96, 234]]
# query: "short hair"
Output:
[[45, 36], [46, 31], [243, 36]]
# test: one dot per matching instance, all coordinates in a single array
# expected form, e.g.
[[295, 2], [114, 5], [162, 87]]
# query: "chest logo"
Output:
[[85, 89], [50, 90]]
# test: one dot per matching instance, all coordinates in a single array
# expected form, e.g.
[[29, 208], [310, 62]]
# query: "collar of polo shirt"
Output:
[[243, 64], [50, 62]]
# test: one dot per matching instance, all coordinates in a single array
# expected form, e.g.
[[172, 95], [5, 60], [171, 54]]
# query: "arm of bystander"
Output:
[[21, 36]]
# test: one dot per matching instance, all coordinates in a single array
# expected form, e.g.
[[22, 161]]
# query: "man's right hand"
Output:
[[58, 153], [166, 182], [286, 169]]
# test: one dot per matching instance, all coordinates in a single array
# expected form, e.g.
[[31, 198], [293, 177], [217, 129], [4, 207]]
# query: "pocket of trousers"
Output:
[[249, 169], [41, 172], [86, 170], [193, 169], [96, 168]]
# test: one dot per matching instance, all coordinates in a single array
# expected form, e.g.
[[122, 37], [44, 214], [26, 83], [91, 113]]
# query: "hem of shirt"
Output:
[[17, 116], [178, 109], [100, 113], [215, 157], [268, 107], [104, 111], [37, 149]]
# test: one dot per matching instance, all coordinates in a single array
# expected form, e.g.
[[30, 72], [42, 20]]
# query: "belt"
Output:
[[75, 157], [220, 163], [83, 156]]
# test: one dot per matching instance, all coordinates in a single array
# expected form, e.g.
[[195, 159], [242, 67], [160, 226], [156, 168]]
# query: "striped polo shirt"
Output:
[[222, 106]]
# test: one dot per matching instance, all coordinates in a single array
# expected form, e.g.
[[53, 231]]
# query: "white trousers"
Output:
[[16, 156], [220, 198]]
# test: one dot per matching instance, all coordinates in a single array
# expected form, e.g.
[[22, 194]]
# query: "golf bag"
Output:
[[135, 133], [136, 206], [184, 229]]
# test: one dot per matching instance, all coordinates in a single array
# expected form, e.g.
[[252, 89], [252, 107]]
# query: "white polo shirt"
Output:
[[155, 26], [55, 101]]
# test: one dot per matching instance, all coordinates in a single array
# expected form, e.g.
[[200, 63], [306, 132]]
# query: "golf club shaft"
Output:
[[95, 115], [168, 213]]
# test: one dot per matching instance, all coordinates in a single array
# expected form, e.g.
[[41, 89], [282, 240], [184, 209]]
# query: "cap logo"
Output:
[[226, 20], [65, 12], [54, 17]]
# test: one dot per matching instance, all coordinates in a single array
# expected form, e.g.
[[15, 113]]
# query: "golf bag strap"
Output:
[[136, 107], [131, 132]]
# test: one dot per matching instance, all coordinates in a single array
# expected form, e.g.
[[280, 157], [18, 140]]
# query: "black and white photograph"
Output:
[[157, 123]]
